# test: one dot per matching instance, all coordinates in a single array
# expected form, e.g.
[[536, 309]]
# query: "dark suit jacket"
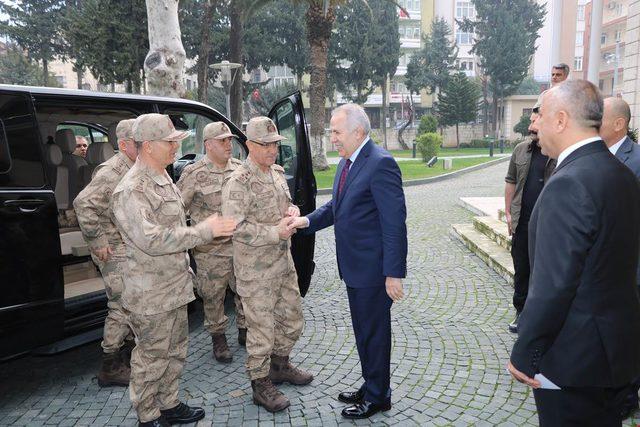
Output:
[[629, 154], [369, 218], [581, 322]]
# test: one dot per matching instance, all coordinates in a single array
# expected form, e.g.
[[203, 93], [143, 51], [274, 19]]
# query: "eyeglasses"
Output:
[[267, 144]]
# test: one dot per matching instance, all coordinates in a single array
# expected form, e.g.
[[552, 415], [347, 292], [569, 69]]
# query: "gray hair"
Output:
[[356, 117], [582, 100], [562, 66]]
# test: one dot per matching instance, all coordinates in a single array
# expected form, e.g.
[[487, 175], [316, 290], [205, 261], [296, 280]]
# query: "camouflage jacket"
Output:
[[149, 213], [201, 187], [92, 205], [258, 201]]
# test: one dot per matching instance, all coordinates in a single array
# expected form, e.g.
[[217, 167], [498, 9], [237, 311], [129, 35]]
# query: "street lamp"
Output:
[[228, 71]]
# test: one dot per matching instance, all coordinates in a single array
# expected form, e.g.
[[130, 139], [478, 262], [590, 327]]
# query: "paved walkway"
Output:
[[450, 345]]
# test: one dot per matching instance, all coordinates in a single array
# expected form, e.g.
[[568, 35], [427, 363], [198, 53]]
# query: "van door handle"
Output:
[[25, 205]]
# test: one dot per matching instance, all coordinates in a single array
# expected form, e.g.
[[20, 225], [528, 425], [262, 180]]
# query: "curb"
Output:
[[443, 177]]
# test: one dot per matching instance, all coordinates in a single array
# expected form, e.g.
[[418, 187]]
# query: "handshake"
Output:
[[290, 223]]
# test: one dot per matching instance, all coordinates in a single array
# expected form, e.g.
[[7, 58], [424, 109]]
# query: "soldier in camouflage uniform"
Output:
[[257, 196], [201, 188], [158, 283], [108, 252]]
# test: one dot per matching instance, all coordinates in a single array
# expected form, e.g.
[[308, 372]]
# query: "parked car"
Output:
[[51, 293]]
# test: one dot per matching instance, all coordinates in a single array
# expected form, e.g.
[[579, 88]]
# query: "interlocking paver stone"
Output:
[[450, 344]]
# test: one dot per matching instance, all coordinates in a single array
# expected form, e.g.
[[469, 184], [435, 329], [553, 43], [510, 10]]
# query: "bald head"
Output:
[[615, 120], [570, 112]]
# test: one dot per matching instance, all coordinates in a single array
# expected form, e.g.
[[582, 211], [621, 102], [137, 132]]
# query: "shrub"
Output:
[[522, 127], [429, 145], [428, 124]]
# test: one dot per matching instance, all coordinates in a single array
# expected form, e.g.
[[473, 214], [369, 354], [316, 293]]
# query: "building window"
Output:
[[581, 12], [601, 84], [61, 80], [603, 38], [464, 9], [619, 35], [464, 38], [401, 31], [577, 63], [280, 75], [579, 38]]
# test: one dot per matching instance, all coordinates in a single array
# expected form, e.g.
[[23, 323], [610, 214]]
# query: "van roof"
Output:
[[40, 90]]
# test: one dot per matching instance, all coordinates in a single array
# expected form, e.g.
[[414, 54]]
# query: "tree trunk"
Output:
[[235, 55], [318, 34], [203, 52], [164, 64], [494, 124], [457, 137], [385, 113], [45, 72], [299, 81], [485, 108], [79, 73]]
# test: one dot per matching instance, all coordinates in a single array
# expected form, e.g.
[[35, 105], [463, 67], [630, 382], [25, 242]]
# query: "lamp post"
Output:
[[228, 71]]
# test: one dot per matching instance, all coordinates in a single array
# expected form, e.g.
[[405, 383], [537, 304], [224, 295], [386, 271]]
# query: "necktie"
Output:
[[343, 176]]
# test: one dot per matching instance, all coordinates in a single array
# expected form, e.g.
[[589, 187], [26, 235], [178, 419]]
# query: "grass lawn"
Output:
[[444, 152], [410, 170]]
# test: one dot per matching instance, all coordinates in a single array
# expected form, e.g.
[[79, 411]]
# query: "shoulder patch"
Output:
[[235, 161], [277, 168], [236, 195]]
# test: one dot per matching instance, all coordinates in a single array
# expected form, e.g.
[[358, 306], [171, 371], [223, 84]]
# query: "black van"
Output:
[[51, 294]]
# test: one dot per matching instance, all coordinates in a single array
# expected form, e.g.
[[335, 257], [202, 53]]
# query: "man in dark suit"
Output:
[[614, 130], [580, 325], [368, 212]]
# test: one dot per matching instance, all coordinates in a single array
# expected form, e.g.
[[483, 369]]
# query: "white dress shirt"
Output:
[[615, 147], [574, 147]]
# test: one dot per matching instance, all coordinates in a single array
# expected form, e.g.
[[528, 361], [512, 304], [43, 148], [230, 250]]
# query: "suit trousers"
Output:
[[579, 406], [520, 255], [371, 318]]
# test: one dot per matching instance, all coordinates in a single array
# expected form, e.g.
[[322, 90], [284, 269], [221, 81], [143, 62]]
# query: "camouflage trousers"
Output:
[[157, 361], [214, 274], [273, 312], [116, 327]]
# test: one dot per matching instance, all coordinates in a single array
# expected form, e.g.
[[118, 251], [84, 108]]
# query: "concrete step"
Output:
[[496, 256], [495, 229], [502, 216]]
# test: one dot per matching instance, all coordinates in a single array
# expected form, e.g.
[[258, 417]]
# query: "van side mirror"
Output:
[[5, 155]]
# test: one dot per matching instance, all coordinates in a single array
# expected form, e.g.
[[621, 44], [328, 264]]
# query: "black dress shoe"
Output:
[[183, 414], [158, 422], [351, 396], [513, 326], [364, 409]]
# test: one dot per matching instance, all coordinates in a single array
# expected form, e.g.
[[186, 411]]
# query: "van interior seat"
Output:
[[76, 165], [59, 174], [97, 153], [71, 238]]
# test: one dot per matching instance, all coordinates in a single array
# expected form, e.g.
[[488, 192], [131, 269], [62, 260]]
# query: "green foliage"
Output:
[[17, 69], [34, 26], [523, 125], [458, 101], [528, 87], [277, 35], [428, 144], [107, 37], [267, 96], [633, 134], [365, 47], [429, 68], [505, 34], [428, 124]]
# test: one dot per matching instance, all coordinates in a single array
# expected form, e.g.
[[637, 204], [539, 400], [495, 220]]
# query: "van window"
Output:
[[22, 137], [194, 143]]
